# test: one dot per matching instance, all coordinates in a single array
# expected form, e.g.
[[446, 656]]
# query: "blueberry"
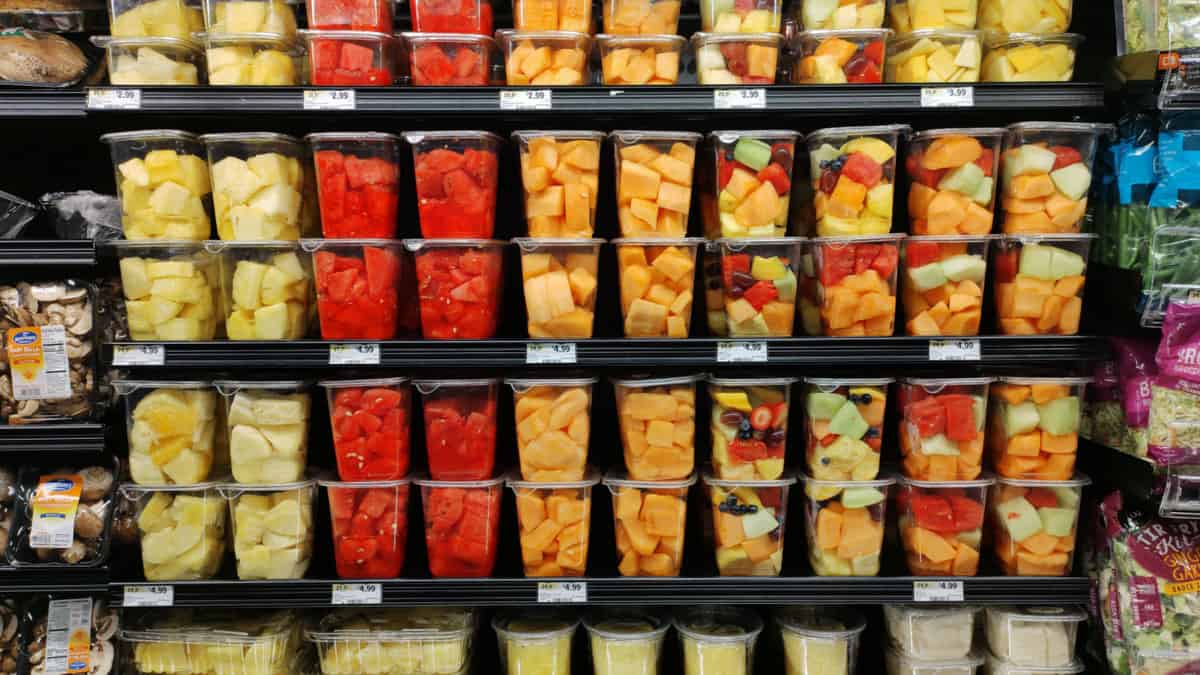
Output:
[[872, 432], [826, 461], [744, 425]]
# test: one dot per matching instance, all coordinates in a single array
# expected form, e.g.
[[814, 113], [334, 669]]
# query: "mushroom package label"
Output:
[[37, 357], [55, 501]]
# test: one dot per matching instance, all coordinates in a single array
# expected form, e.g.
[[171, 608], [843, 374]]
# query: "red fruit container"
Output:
[[370, 15], [456, 173], [357, 183], [462, 526], [351, 58], [452, 16], [460, 427], [459, 284], [358, 287], [449, 59], [371, 423], [370, 527]]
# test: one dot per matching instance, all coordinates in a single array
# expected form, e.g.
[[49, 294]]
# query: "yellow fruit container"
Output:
[[818, 640], [1046, 175], [718, 640], [553, 15], [1022, 57], [262, 186], [1039, 282], [759, 278], [560, 171], [845, 522], [907, 16], [657, 279], [267, 289], [154, 18], [549, 58], [253, 59], [171, 428], [553, 419], [853, 173], [1025, 16], [229, 640], [654, 181], [641, 17], [651, 518], [270, 17], [163, 184], [555, 524], [268, 429], [747, 519], [761, 16], [942, 285], [428, 639], [626, 641], [952, 180], [559, 280], [658, 425], [272, 528], [736, 58], [536, 641], [747, 183], [935, 57], [826, 15], [749, 425], [172, 290], [151, 61], [181, 530], [633, 60], [846, 56]]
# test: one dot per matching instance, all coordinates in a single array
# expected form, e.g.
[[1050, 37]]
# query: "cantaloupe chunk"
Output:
[[1068, 323], [779, 317], [1028, 444], [966, 561], [940, 312], [1014, 205], [977, 221], [1028, 223], [531, 510], [760, 548], [658, 565], [638, 181], [642, 541], [1031, 186], [946, 210], [1031, 564], [1040, 543], [729, 530], [930, 545], [1060, 444], [829, 529], [849, 193], [628, 566], [919, 198], [1005, 298], [1057, 466], [860, 535], [941, 467], [1069, 287], [541, 536], [629, 503], [949, 152], [1048, 391], [1017, 327]]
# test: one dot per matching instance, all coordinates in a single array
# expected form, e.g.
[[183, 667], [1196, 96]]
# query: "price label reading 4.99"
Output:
[[354, 354], [937, 591], [555, 592], [357, 594], [550, 352], [954, 350], [148, 596], [729, 99], [139, 355], [742, 351]]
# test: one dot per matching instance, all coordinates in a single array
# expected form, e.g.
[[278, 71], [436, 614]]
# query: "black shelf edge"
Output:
[[1110, 469], [52, 437], [43, 252], [42, 103], [23, 580], [624, 591]]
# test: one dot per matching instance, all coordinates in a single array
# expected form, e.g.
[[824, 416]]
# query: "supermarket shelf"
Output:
[[52, 438], [15, 580], [41, 103], [43, 252]]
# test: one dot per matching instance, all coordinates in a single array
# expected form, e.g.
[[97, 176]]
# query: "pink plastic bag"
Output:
[[1179, 351]]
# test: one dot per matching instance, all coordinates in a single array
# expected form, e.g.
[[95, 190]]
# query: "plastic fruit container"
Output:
[[262, 186], [899, 663], [459, 286], [154, 61], [358, 287], [626, 641], [1034, 636], [759, 16], [351, 58], [181, 530], [546, 58], [452, 16], [253, 59], [1033, 525], [172, 290], [657, 282], [460, 427], [163, 184], [1040, 282], [998, 666], [908, 16], [536, 641], [857, 284], [931, 633], [555, 522], [941, 525], [267, 424], [376, 640], [553, 15], [560, 285], [847, 56], [751, 183], [170, 425], [718, 640], [371, 423], [845, 521], [462, 525], [272, 528], [820, 640], [651, 518], [935, 56], [449, 59], [658, 420], [553, 418], [1023, 16], [190, 641], [641, 17], [370, 527], [1021, 57], [154, 18], [1047, 175], [266, 289], [358, 183], [273, 17], [747, 519], [941, 435], [365, 15], [714, 290], [560, 171], [943, 283], [654, 181], [1033, 426], [736, 58], [759, 285], [823, 15], [749, 426], [845, 424], [456, 174], [853, 173], [633, 60], [952, 180], [810, 292]]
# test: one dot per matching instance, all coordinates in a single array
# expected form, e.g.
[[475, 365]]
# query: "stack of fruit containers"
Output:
[[936, 41], [251, 42], [738, 43], [1028, 42], [450, 43], [640, 44], [550, 43], [350, 43]]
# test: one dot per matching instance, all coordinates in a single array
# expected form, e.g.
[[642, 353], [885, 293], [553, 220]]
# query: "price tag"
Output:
[[742, 351], [148, 596], [550, 352], [114, 99], [730, 99], [526, 99], [357, 594], [947, 97], [139, 355], [954, 350], [354, 354], [329, 99], [937, 591], [562, 591]]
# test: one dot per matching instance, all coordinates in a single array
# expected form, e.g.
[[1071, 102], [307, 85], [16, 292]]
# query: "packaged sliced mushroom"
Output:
[[63, 517], [8, 511], [10, 637], [47, 351], [52, 620]]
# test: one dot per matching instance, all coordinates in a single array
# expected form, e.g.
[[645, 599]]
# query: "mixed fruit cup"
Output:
[[853, 173], [749, 423], [740, 16], [654, 181], [456, 173], [267, 424], [845, 421], [560, 171], [631, 60], [459, 286], [857, 284], [1040, 282], [553, 419], [650, 523], [358, 183], [835, 14], [748, 186], [460, 428], [736, 58], [913, 15], [358, 288], [351, 58], [641, 17], [1046, 172], [555, 524], [847, 56], [935, 56], [452, 16], [758, 278], [845, 523], [1033, 427], [462, 526], [262, 186], [657, 279], [952, 180], [943, 283], [559, 282], [748, 519], [941, 525], [658, 427], [942, 433], [163, 183], [546, 58], [371, 420], [370, 527], [449, 59], [1033, 525], [1031, 58]]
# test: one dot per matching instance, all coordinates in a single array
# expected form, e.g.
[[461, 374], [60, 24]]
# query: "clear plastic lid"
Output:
[[950, 238], [134, 490], [834, 382], [700, 38], [731, 136], [1073, 237], [188, 245], [876, 130], [424, 480], [881, 238], [911, 664], [1005, 40], [209, 626], [1059, 127], [986, 481], [877, 483], [430, 386], [395, 482], [250, 137], [544, 625], [229, 387], [371, 382], [646, 383], [529, 244], [718, 624], [413, 38], [626, 624], [274, 40], [570, 134], [998, 666], [356, 35], [1046, 380], [936, 384], [314, 245], [216, 246], [1039, 613], [849, 34], [927, 134], [352, 136], [454, 135], [394, 625], [906, 40], [523, 383], [130, 386], [638, 136], [416, 245], [677, 42], [231, 490], [740, 244], [750, 381], [150, 134], [823, 623], [782, 481], [506, 35], [619, 478], [1078, 480], [652, 241], [591, 478]]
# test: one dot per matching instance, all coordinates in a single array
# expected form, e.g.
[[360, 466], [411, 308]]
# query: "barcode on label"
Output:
[[114, 99], [148, 596], [526, 99], [562, 591], [139, 355], [357, 594], [954, 350], [729, 99], [947, 97], [329, 99], [550, 352], [354, 354], [742, 351], [937, 591]]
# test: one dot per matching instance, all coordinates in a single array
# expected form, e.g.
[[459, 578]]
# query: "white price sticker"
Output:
[[742, 351], [329, 99], [354, 354], [937, 591], [954, 350], [114, 99], [357, 594], [947, 97], [562, 591], [148, 596], [730, 99], [139, 355], [550, 352], [526, 99]]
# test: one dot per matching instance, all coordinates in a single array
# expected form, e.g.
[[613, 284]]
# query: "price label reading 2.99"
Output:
[[729, 99]]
